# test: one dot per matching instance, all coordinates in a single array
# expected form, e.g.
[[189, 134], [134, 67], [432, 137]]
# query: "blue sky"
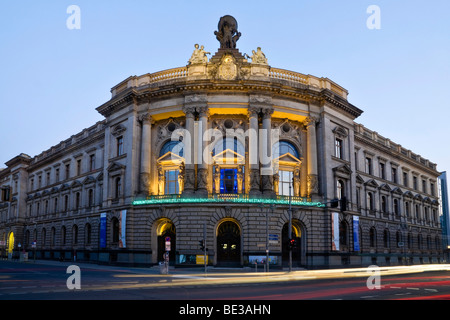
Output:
[[53, 78]]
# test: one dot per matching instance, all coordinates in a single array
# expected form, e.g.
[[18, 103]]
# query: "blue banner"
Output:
[[103, 230], [356, 233]]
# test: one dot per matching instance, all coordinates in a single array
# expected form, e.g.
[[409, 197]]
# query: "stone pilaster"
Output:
[[146, 145], [312, 177]]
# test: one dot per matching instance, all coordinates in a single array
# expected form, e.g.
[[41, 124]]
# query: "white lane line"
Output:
[[413, 288]]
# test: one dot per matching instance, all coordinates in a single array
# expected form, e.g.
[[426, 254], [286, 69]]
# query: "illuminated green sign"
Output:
[[295, 201]]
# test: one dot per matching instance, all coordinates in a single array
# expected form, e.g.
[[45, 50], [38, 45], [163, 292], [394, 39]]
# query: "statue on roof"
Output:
[[227, 34], [258, 57], [199, 55]]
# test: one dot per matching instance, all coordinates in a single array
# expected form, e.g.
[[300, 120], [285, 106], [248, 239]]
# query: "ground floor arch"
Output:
[[298, 251], [228, 243], [163, 230], [10, 244]]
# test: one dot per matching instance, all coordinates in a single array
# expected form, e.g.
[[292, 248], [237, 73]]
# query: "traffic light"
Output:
[[292, 244], [202, 245]]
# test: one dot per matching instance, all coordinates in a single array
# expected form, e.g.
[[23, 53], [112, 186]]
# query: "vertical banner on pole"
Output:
[[356, 233], [103, 230], [335, 231], [122, 228]]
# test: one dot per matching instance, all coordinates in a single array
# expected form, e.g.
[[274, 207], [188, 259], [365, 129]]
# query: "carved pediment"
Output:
[[89, 179], [371, 183], [115, 166], [170, 158], [408, 194], [397, 190], [343, 169], [288, 159], [359, 179], [385, 187], [228, 157]]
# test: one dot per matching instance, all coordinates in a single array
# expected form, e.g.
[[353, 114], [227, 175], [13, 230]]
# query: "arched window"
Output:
[[44, 236], [63, 235], [287, 171], [169, 167], [386, 241], [53, 237], [372, 237], [176, 147], [75, 234], [283, 147], [87, 234]]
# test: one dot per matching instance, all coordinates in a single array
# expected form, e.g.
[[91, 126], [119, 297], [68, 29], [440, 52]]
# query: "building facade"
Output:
[[233, 151]]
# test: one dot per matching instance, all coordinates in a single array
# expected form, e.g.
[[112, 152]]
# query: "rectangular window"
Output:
[[172, 186], [424, 186], [284, 183], [394, 175], [405, 179], [382, 171], [228, 181], [339, 148], [48, 179], [119, 146], [92, 162], [369, 165], [432, 189], [415, 183], [78, 167], [67, 171], [57, 175]]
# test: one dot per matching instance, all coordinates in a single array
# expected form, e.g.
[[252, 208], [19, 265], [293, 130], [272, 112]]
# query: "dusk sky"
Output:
[[53, 78]]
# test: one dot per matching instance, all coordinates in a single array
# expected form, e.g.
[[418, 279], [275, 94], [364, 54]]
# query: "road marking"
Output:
[[395, 287], [413, 288], [367, 297], [431, 290]]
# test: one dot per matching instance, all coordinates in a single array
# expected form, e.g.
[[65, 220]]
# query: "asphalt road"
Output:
[[49, 280]]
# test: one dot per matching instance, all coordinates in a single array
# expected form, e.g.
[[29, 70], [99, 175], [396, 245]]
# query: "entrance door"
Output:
[[229, 244], [167, 231], [296, 251]]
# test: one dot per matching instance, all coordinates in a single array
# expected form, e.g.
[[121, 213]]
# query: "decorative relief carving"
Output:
[[227, 68], [166, 128], [311, 120]]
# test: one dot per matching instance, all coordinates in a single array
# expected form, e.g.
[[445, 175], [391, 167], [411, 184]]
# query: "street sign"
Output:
[[168, 245], [33, 245]]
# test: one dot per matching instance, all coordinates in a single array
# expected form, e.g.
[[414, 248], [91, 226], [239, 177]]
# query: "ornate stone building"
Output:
[[232, 149]]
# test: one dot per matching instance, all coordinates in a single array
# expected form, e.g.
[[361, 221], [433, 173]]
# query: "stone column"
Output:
[[188, 140], [202, 167], [253, 150], [266, 151], [312, 178], [146, 149]]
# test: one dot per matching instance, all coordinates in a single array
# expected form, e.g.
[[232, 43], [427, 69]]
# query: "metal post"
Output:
[[267, 241], [290, 228], [204, 243]]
